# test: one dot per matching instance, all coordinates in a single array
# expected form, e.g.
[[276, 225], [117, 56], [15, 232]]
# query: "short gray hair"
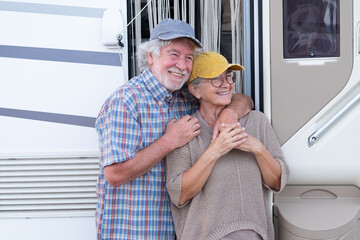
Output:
[[153, 47]]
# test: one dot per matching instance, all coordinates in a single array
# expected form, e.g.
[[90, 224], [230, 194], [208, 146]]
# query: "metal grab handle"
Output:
[[321, 131]]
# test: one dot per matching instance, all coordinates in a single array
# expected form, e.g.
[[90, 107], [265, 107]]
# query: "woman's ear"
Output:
[[194, 91]]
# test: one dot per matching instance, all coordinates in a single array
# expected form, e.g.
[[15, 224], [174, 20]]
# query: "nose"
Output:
[[225, 83], [181, 64]]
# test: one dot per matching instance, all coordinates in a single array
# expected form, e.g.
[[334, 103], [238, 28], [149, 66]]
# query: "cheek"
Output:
[[189, 66]]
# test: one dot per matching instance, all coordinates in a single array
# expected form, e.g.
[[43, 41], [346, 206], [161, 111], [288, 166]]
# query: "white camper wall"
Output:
[[55, 74], [53, 62]]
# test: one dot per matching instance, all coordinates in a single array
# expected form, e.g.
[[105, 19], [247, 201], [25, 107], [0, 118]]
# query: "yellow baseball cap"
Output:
[[210, 65]]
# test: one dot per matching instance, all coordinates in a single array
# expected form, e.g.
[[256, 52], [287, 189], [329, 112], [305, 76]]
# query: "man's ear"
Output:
[[150, 58], [195, 91]]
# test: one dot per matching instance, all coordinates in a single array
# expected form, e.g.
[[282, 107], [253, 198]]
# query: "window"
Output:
[[311, 28]]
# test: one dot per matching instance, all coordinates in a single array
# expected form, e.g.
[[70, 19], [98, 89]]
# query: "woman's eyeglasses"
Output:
[[218, 81]]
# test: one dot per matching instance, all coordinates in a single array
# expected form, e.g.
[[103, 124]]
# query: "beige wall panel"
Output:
[[301, 88]]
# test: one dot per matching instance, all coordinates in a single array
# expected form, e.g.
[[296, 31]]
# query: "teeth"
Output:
[[224, 93], [176, 74]]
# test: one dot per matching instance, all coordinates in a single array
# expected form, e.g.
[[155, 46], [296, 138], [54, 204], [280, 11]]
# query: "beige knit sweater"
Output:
[[234, 196]]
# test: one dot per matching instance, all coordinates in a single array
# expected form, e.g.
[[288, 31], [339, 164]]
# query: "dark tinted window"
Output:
[[311, 28]]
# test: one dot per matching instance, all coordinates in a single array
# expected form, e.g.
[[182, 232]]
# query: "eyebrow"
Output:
[[174, 50]]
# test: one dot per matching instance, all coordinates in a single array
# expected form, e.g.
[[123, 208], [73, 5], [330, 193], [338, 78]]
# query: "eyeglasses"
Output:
[[218, 81]]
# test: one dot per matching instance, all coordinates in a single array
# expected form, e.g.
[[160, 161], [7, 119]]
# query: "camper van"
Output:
[[60, 59]]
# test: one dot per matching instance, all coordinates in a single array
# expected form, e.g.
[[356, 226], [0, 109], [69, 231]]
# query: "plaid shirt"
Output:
[[130, 120]]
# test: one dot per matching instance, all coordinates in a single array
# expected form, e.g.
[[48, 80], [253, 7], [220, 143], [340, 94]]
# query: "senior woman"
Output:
[[219, 188]]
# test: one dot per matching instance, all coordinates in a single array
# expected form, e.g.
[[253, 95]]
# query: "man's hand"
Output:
[[240, 106], [226, 118], [179, 132]]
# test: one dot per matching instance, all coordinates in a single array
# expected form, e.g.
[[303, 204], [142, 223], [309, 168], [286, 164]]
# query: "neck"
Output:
[[210, 113]]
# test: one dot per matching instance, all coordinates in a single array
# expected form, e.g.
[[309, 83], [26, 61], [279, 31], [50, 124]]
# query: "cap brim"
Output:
[[236, 67]]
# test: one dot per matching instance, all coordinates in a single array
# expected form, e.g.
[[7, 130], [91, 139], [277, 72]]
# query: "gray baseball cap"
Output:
[[169, 29]]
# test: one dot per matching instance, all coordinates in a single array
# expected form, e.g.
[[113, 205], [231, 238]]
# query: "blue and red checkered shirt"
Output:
[[132, 118]]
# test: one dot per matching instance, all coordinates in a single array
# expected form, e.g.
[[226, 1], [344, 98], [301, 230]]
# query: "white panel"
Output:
[[40, 29], [50, 31], [266, 58], [334, 159], [358, 34], [57, 87], [21, 136], [49, 194], [48, 229]]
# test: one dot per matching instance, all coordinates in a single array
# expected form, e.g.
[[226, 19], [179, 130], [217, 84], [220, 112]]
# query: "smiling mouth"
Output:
[[177, 74], [223, 93]]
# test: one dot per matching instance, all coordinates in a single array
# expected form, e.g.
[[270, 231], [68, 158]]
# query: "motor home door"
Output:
[[312, 89]]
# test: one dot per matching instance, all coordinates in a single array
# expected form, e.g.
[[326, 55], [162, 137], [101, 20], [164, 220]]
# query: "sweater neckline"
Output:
[[204, 126]]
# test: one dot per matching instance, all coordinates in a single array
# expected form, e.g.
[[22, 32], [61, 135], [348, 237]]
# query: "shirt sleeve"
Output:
[[119, 132]]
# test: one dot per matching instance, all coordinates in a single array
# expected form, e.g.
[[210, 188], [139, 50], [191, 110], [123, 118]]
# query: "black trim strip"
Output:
[[51, 9], [60, 55], [49, 117]]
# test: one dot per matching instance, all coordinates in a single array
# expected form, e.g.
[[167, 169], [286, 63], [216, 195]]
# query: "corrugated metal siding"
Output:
[[48, 186]]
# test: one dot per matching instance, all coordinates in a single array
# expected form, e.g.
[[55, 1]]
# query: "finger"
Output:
[[231, 124], [241, 142], [241, 136], [196, 126], [197, 132], [172, 121], [232, 128], [185, 118], [215, 134], [193, 121]]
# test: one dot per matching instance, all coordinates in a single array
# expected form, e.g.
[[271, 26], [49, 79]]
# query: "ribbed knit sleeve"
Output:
[[260, 127], [177, 162]]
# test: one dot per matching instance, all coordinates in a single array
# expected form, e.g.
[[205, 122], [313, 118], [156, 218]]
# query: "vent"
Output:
[[48, 186]]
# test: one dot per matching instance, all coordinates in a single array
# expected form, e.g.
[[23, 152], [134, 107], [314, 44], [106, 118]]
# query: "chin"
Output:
[[223, 103], [176, 85], [172, 85], [227, 102]]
